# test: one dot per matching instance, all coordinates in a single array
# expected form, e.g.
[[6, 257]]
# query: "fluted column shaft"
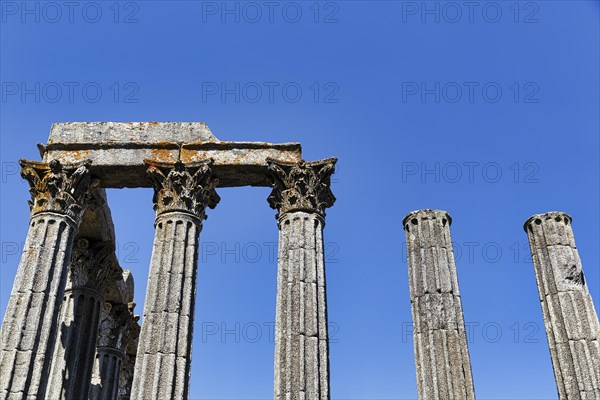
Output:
[[163, 360], [74, 353], [128, 365], [570, 318], [115, 320], [92, 264], [440, 342], [301, 193], [29, 329], [301, 341], [108, 363], [164, 352]]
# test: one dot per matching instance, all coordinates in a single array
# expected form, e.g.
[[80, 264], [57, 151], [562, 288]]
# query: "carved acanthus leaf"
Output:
[[130, 347], [301, 186], [183, 187], [115, 321], [93, 264], [56, 187]]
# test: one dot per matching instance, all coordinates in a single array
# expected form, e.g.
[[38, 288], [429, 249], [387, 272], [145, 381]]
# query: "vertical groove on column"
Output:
[[301, 352], [322, 327], [440, 343], [570, 318], [128, 363], [280, 315], [59, 194], [116, 368], [29, 328], [92, 266], [116, 329], [109, 367], [301, 194], [164, 351], [74, 353]]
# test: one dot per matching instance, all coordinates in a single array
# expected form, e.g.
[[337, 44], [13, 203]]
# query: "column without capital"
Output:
[[59, 195], [301, 193], [570, 318], [181, 194], [440, 341]]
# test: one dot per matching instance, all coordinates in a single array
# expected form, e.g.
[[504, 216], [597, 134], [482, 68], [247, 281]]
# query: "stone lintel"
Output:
[[117, 151], [130, 132]]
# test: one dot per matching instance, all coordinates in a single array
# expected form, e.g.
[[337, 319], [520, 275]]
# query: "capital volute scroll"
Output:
[[301, 186], [57, 187], [183, 187]]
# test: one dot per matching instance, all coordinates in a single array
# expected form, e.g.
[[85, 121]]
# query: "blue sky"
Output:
[[489, 112]]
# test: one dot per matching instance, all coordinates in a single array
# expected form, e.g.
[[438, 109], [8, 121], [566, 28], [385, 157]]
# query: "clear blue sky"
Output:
[[489, 112]]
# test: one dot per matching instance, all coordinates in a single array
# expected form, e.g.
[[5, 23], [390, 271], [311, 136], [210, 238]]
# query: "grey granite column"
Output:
[[128, 365], [440, 341], [571, 321], [92, 264], [114, 322], [181, 194], [59, 194], [301, 193], [130, 340]]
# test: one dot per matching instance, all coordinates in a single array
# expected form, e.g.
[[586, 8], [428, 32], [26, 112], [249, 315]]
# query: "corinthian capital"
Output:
[[56, 187], [130, 348], [301, 186], [93, 264], [183, 187], [115, 321]]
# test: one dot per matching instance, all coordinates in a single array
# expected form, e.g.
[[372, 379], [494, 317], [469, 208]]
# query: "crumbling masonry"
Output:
[[70, 331]]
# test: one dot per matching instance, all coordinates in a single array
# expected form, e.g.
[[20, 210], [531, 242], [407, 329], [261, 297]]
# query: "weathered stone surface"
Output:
[[301, 186], [57, 321], [93, 265], [128, 364], [571, 321], [182, 187], [115, 321], [441, 353], [55, 187], [118, 332], [130, 132], [30, 327], [301, 192], [111, 146], [163, 361], [96, 223]]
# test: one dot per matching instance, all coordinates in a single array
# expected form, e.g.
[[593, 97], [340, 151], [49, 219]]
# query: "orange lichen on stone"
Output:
[[164, 155], [75, 156]]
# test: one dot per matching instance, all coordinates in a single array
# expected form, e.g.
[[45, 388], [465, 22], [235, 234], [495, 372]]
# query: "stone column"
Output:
[[59, 194], [181, 194], [440, 341], [571, 321], [114, 322], [128, 365], [93, 263], [301, 193]]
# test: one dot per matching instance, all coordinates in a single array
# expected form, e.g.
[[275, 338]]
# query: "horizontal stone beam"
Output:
[[117, 151]]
